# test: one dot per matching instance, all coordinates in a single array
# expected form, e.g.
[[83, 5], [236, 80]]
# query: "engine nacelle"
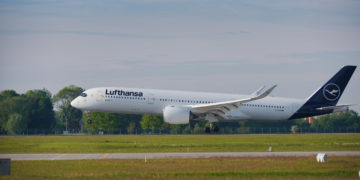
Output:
[[176, 115]]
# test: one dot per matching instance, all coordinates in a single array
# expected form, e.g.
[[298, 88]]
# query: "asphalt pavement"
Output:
[[81, 156]]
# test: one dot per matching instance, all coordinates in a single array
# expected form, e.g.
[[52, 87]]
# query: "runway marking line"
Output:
[[105, 156]]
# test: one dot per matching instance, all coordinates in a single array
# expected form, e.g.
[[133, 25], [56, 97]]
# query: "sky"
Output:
[[206, 45]]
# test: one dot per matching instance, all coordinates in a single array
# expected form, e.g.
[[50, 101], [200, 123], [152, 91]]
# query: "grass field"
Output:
[[211, 168], [166, 143]]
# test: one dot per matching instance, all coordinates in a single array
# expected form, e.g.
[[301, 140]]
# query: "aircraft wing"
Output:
[[221, 108]]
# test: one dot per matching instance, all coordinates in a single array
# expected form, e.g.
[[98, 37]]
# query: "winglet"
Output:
[[258, 92], [267, 92]]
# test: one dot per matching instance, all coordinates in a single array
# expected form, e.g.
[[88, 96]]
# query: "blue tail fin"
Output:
[[328, 95]]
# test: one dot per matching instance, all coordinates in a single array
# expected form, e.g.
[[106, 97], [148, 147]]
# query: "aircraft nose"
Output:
[[74, 103]]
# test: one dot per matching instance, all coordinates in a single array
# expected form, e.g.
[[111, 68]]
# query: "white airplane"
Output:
[[179, 107]]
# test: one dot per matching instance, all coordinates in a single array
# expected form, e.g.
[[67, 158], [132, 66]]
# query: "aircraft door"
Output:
[[151, 99], [99, 96]]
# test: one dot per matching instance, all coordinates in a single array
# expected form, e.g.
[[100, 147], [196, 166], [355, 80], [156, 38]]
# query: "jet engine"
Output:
[[176, 115]]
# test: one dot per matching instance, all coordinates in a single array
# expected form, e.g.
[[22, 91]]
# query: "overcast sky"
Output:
[[213, 46]]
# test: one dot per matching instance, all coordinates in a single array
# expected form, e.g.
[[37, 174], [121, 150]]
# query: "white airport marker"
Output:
[[321, 157]]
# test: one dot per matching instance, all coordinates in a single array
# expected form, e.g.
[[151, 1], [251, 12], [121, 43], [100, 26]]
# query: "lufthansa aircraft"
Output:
[[179, 107]]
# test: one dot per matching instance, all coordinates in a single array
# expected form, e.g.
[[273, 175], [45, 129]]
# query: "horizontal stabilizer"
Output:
[[337, 108]]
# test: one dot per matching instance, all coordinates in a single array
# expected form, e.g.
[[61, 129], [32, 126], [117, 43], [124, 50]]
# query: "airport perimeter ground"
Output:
[[268, 167]]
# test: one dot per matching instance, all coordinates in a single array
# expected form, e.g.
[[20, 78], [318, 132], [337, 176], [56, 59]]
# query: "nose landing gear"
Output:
[[88, 115]]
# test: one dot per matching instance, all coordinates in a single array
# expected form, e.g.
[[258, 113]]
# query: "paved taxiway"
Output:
[[168, 155]]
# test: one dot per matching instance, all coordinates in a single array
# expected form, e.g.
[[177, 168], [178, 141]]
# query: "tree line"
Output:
[[40, 112]]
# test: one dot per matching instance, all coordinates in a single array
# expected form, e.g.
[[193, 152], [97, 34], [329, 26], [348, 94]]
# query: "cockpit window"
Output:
[[83, 94]]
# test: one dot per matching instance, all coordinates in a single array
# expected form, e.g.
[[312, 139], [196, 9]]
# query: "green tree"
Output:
[[198, 129], [11, 103], [151, 122], [131, 128], [175, 128], [109, 122], [16, 124], [301, 123], [243, 128], [187, 129], [7, 94], [345, 119], [65, 112], [41, 115], [294, 129]]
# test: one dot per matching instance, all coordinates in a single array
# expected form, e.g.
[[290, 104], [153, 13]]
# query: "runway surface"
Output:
[[168, 155]]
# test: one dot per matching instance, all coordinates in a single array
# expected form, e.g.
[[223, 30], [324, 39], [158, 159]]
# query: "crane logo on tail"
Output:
[[331, 92]]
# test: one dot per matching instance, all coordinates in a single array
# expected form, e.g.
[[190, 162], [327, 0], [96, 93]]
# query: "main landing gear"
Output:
[[212, 128]]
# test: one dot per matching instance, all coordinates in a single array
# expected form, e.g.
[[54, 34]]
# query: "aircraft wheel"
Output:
[[207, 129], [216, 129]]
